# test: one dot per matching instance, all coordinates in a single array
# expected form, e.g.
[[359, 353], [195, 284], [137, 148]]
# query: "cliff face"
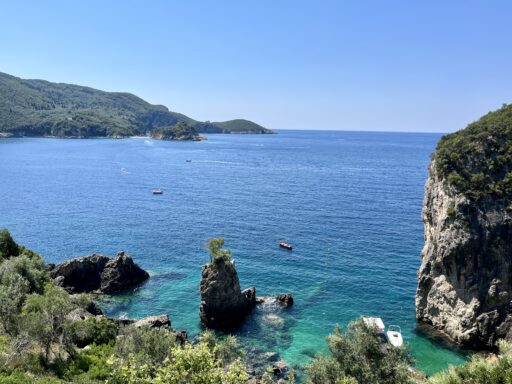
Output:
[[223, 304], [465, 278]]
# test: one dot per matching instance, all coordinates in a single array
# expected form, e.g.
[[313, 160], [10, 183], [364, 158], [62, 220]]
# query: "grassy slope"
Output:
[[42, 108]]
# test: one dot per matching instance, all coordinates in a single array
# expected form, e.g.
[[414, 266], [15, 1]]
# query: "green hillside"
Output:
[[42, 108], [240, 126]]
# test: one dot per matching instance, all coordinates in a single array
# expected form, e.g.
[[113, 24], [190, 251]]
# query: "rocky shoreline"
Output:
[[224, 306]]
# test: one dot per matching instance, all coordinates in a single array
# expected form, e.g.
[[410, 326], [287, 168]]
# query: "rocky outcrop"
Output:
[[98, 273], [160, 321], [223, 304], [286, 299], [465, 279]]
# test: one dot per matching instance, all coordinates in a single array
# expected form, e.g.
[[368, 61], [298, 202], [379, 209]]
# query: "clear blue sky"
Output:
[[349, 65]]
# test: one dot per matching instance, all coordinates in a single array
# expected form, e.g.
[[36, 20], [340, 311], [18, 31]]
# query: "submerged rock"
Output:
[[223, 304], [285, 299], [98, 273], [465, 279]]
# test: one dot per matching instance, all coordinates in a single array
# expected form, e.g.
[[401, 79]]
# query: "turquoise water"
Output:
[[350, 202]]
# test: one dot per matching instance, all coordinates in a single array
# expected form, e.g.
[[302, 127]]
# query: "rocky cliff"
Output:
[[465, 278], [223, 304]]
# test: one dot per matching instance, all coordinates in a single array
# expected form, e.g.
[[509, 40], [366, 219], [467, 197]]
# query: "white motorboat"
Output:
[[157, 191], [394, 336]]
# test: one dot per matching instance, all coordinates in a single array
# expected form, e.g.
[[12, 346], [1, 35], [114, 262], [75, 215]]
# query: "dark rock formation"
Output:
[[223, 304], [465, 279], [98, 273], [285, 299]]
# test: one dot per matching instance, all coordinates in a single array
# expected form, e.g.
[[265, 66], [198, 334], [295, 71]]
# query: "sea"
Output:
[[349, 202]]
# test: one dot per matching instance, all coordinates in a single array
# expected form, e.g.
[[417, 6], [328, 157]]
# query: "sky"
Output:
[[428, 66]]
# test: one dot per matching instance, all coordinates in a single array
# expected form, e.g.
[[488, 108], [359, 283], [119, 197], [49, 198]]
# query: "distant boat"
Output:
[[189, 161], [394, 336], [282, 244], [157, 191]]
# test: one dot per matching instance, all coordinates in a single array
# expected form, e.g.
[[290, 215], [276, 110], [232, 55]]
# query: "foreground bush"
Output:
[[152, 356], [480, 370], [357, 358]]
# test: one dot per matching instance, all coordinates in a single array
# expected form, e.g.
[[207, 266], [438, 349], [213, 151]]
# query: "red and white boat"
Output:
[[282, 244]]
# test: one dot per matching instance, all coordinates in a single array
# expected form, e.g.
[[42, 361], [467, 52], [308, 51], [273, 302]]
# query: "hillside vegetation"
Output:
[[180, 131], [477, 160], [42, 108]]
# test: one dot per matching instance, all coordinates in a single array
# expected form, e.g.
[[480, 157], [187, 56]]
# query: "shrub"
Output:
[[91, 364], [217, 254], [30, 267], [8, 246], [93, 330], [480, 370], [145, 346], [203, 363], [44, 319], [357, 357], [451, 212]]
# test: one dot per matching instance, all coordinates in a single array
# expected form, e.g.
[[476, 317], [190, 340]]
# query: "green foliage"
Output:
[[44, 319], [19, 276], [357, 357], [452, 211], [217, 254], [91, 364], [30, 268], [180, 131], [208, 362], [477, 161], [8, 246], [145, 346], [93, 330], [42, 108], [240, 126], [19, 377], [480, 370]]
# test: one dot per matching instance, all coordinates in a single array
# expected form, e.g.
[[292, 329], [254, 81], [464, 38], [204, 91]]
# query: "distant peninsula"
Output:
[[46, 109]]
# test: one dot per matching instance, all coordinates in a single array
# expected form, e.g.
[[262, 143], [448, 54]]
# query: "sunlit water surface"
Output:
[[349, 202]]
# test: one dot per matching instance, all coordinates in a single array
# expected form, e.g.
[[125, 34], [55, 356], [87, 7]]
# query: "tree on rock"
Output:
[[223, 304], [216, 252]]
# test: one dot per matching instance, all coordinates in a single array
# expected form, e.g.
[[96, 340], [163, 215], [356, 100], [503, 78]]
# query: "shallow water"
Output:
[[349, 202]]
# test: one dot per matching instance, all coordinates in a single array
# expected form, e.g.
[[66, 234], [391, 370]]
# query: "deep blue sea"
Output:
[[349, 202]]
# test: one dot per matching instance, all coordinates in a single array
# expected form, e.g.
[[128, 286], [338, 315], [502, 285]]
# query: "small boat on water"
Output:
[[157, 191], [282, 244], [189, 161], [394, 336]]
